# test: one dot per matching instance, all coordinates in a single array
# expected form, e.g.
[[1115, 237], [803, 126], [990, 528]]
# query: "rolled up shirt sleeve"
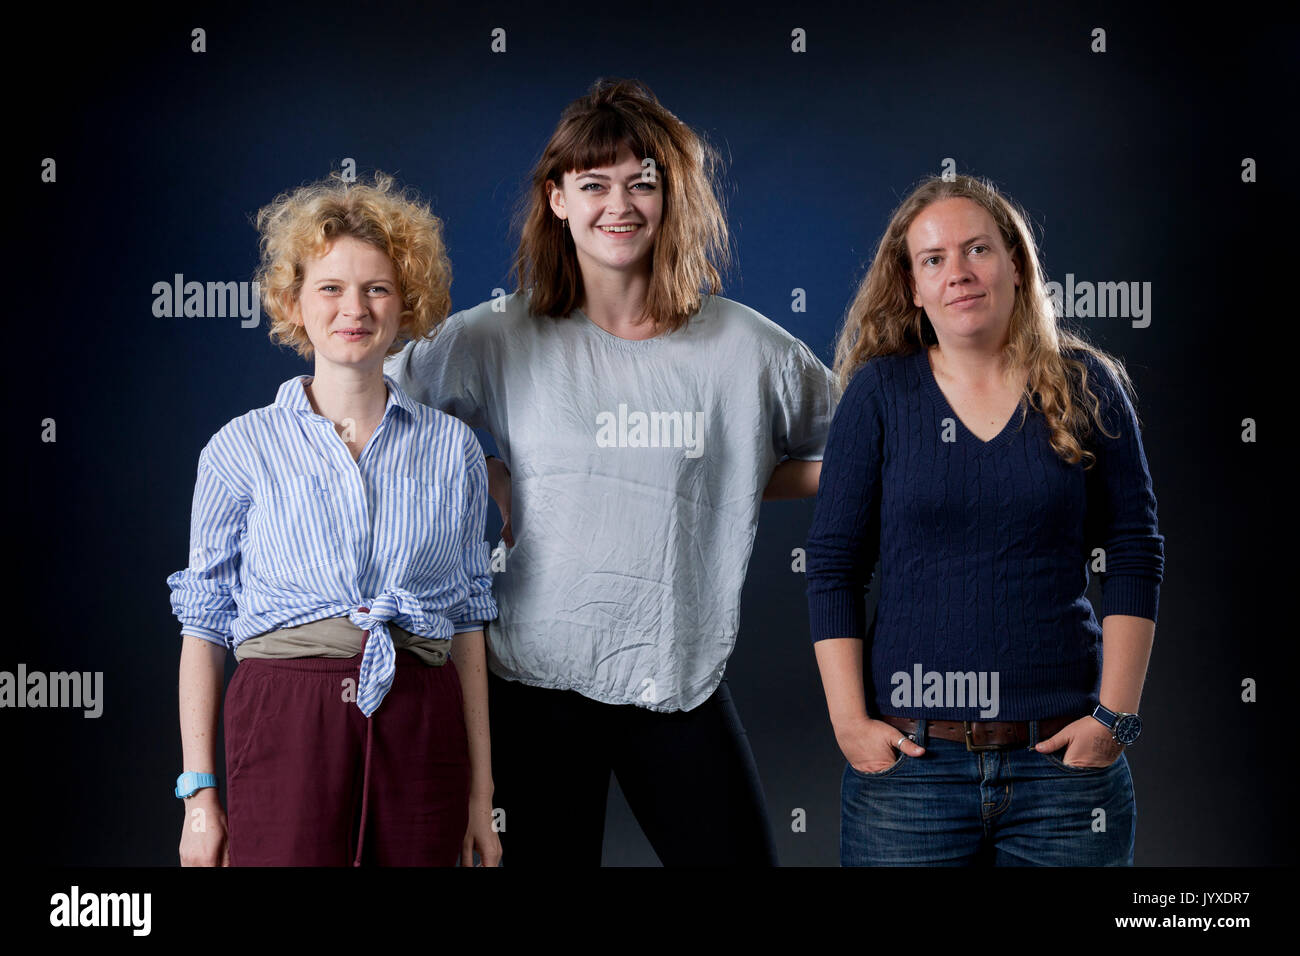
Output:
[[479, 605], [1122, 506], [203, 594], [844, 540]]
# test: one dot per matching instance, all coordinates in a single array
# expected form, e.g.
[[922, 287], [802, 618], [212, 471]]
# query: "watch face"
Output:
[[1127, 728]]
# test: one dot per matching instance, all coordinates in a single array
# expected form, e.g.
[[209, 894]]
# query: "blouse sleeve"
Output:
[[1122, 506], [203, 594], [844, 540], [806, 402], [443, 372]]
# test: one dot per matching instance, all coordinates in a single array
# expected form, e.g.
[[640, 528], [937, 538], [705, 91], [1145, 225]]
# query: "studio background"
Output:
[[1128, 161]]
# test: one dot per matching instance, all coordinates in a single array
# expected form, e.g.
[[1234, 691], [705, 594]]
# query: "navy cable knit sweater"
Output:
[[984, 547]]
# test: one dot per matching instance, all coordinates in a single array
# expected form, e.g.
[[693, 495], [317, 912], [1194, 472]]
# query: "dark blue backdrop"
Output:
[[1128, 160]]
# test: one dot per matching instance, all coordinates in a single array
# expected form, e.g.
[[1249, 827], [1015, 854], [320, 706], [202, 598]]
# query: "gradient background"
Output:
[[1129, 163]]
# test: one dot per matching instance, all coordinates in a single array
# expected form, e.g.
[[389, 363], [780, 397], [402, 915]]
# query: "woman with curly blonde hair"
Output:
[[337, 548], [987, 457]]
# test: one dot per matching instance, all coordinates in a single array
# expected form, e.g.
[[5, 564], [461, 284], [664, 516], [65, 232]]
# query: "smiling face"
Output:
[[613, 213], [962, 274], [350, 304]]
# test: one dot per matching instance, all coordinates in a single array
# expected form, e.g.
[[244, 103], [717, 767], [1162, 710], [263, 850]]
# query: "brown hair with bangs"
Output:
[[692, 247]]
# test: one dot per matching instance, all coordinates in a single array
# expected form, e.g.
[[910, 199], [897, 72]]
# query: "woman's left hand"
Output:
[[1087, 744], [480, 835]]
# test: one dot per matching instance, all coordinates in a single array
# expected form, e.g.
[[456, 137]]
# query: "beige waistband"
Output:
[[335, 637]]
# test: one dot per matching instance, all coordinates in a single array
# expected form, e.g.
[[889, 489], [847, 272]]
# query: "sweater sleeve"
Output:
[[1122, 506], [844, 540]]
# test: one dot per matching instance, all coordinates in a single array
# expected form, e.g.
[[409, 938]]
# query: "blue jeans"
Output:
[[955, 807]]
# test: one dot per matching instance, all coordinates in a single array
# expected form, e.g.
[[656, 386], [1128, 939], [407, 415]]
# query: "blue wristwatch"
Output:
[[190, 783], [1125, 728]]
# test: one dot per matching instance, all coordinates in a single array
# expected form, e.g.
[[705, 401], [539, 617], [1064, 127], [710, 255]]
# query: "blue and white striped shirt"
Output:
[[287, 528]]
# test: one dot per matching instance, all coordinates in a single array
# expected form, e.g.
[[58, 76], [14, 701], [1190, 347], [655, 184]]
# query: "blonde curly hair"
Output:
[[301, 225]]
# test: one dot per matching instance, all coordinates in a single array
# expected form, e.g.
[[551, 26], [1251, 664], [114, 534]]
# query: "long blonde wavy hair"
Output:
[[882, 319]]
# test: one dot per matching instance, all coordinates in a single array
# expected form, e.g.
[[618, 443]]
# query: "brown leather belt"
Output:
[[982, 734]]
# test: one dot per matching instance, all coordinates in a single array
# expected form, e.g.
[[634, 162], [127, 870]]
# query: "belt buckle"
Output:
[[970, 744]]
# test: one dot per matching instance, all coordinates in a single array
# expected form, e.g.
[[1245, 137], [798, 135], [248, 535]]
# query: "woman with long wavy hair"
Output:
[[987, 457]]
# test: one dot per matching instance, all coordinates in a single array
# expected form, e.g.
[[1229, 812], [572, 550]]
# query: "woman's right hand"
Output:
[[499, 489], [871, 745], [203, 836]]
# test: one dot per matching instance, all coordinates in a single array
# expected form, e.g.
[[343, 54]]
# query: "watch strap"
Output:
[[190, 783], [1106, 717]]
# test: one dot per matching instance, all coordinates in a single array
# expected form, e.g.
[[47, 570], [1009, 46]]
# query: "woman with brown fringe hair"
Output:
[[640, 418], [987, 457]]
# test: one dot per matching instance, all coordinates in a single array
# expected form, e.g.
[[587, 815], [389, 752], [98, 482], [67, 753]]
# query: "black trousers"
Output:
[[689, 778]]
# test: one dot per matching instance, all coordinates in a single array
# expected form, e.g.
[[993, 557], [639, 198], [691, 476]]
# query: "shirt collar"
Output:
[[293, 395]]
